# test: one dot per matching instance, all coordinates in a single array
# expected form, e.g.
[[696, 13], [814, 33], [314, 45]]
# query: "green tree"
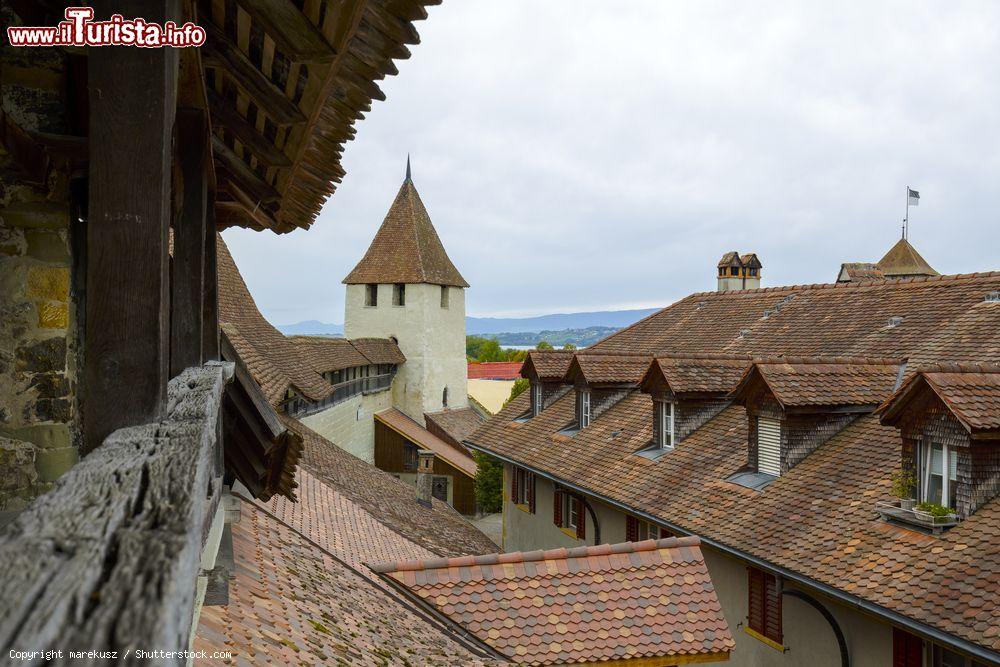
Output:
[[489, 483], [542, 345], [569, 346], [520, 385]]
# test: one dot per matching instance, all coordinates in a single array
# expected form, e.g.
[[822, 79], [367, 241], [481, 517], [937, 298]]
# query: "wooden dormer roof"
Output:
[[971, 392]]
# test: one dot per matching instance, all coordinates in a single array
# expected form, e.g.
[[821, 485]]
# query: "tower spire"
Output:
[[408, 166]]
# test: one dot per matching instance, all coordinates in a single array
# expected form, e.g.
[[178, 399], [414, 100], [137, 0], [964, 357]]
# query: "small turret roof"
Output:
[[406, 248], [904, 260]]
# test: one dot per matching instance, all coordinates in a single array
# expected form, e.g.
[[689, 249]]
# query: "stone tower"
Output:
[[406, 288]]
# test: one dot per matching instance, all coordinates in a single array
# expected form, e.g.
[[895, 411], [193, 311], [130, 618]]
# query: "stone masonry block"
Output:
[[42, 356], [52, 463], [47, 245], [17, 465], [44, 436], [36, 215], [50, 385], [49, 283], [53, 315]]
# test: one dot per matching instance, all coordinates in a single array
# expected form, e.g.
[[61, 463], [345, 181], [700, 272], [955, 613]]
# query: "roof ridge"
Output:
[[959, 367], [706, 356], [887, 282], [561, 553], [832, 360]]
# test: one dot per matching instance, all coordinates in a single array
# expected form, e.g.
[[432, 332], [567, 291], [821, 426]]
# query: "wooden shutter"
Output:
[[907, 649], [772, 608], [755, 605], [631, 529], [531, 492], [513, 484], [768, 446], [557, 502], [581, 519]]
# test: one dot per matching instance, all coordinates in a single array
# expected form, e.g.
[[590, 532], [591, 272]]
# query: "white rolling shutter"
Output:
[[769, 446]]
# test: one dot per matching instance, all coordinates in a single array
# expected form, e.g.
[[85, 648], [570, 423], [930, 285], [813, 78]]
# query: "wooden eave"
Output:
[[283, 87]]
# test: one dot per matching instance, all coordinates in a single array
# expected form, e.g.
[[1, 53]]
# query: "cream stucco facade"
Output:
[[431, 334], [808, 639], [350, 424]]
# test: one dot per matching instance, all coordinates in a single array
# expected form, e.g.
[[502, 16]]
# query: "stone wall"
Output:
[[38, 305], [350, 425]]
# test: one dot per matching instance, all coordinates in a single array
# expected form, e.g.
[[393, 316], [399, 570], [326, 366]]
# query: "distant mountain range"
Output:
[[604, 320]]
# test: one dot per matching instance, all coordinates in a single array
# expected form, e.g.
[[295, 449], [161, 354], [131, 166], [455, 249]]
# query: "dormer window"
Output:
[[938, 473], [583, 408], [536, 399], [664, 415], [769, 446]]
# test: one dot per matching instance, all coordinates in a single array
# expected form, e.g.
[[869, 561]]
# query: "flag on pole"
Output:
[[912, 197]]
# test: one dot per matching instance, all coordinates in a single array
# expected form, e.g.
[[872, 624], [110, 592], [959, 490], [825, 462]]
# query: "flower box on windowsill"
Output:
[[891, 510]]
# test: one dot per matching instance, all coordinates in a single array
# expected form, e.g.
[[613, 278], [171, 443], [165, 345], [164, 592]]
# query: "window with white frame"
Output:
[[536, 399], [665, 424], [938, 473], [571, 511], [584, 408]]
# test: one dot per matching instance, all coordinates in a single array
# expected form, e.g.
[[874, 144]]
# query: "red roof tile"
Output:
[[609, 602], [800, 382], [607, 368], [970, 391], [547, 365]]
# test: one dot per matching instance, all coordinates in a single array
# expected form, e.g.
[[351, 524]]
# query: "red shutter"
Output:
[[907, 649], [631, 529], [531, 492], [581, 519], [513, 484], [557, 508], [755, 605], [772, 608]]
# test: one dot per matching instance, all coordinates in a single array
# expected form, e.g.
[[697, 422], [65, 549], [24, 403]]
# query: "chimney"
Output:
[[425, 470], [738, 272]]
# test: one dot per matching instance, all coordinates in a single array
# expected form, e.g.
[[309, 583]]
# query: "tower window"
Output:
[[444, 397], [399, 294], [734, 270], [722, 271], [371, 295], [752, 271], [444, 296]]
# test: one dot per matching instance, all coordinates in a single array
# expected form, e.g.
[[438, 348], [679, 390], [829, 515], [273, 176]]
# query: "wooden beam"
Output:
[[226, 116], [188, 266], [210, 285], [219, 52], [234, 210], [109, 559], [296, 36], [238, 169], [133, 98]]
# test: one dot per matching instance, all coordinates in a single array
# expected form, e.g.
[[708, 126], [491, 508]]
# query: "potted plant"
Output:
[[935, 514], [904, 483]]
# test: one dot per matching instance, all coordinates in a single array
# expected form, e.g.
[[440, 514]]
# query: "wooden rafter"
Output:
[[297, 36], [224, 115]]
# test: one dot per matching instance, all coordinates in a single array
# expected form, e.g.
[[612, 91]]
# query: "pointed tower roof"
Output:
[[406, 248], [903, 260]]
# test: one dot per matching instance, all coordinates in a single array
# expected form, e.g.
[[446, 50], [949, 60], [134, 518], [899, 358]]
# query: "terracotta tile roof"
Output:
[[406, 248], [686, 374], [494, 370], [417, 434], [547, 365], [273, 360], [329, 354], [731, 258], [293, 600], [439, 529], [379, 350], [859, 272], [943, 319], [904, 260], [970, 391], [816, 520], [607, 368], [590, 604], [798, 382], [454, 426]]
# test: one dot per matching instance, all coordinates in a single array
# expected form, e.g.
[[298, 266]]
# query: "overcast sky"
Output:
[[579, 155]]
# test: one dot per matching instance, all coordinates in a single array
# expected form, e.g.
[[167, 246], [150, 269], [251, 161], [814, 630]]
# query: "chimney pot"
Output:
[[425, 470]]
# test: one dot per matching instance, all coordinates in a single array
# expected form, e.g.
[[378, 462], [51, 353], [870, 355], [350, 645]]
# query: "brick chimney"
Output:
[[425, 471]]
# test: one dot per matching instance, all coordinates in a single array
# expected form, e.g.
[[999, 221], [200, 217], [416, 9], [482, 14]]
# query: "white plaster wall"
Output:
[[808, 639], [431, 337], [350, 430]]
